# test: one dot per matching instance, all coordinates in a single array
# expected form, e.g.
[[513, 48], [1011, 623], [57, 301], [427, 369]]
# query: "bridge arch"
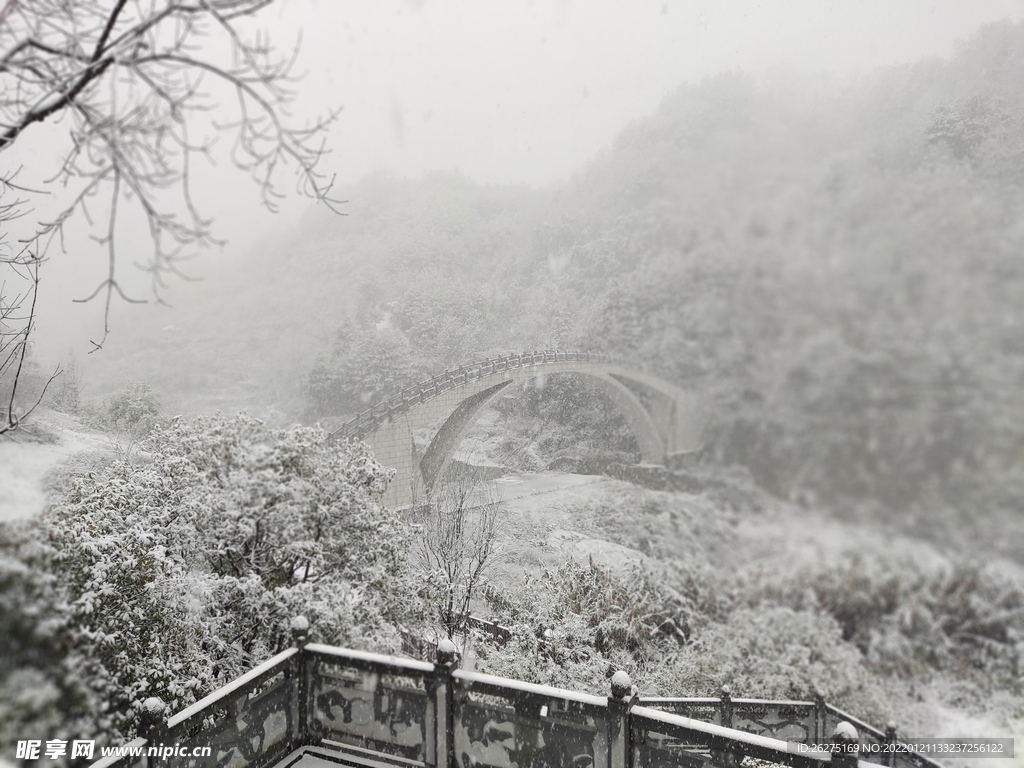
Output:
[[666, 421]]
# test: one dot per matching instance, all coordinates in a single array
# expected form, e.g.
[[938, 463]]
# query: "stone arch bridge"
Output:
[[666, 421]]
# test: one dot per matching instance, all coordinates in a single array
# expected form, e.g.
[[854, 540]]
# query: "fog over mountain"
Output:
[[523, 93], [799, 223]]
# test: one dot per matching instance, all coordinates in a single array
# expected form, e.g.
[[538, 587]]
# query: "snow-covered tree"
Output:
[[458, 543], [179, 571], [134, 83]]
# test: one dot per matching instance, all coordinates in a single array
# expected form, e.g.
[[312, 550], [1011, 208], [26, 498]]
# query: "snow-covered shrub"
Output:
[[29, 645], [178, 572], [562, 655], [969, 618], [774, 652], [630, 610], [133, 410], [907, 616], [554, 639], [577, 620], [659, 524], [860, 592], [127, 416]]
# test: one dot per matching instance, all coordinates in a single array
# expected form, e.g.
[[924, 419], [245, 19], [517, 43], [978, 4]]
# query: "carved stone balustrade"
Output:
[[314, 703]]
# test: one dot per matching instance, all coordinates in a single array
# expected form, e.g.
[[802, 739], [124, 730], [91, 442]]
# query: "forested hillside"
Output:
[[838, 269]]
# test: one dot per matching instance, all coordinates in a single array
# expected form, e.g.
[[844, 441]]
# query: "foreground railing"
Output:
[[801, 722], [367, 421], [253, 721], [367, 706]]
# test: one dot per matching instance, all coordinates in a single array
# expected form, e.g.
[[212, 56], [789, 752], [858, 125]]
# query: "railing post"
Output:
[[820, 717], [725, 706], [890, 738], [153, 727], [624, 695], [300, 635], [845, 746], [447, 662]]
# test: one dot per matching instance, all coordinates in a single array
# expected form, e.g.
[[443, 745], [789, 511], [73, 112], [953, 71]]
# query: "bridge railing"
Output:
[[434, 714], [380, 413]]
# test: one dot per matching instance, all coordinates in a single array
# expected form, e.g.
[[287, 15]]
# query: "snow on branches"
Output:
[[180, 570]]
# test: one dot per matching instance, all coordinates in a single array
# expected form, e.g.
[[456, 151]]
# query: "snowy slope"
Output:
[[25, 465]]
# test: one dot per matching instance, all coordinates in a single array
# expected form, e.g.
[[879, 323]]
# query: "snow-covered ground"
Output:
[[541, 518], [25, 465], [551, 515]]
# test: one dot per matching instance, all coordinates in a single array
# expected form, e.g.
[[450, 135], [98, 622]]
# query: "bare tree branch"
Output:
[[17, 346], [137, 78], [460, 526]]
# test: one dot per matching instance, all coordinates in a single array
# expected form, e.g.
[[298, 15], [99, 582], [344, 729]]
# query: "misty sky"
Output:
[[526, 92], [522, 92]]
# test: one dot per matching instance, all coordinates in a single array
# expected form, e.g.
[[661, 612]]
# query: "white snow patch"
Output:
[[24, 466], [953, 723], [585, 550], [796, 538]]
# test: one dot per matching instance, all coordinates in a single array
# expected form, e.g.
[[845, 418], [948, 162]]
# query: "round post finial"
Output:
[[300, 631], [846, 745], [622, 685], [153, 706], [152, 720], [624, 693], [725, 705], [844, 732], [447, 653]]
